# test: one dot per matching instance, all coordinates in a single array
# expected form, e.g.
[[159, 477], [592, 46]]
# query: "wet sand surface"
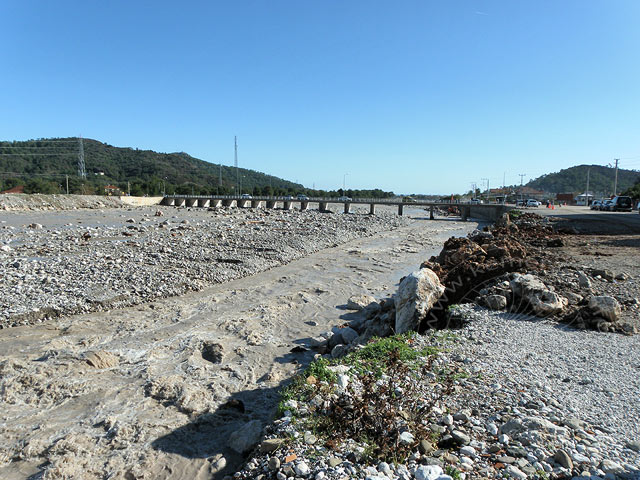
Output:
[[140, 392]]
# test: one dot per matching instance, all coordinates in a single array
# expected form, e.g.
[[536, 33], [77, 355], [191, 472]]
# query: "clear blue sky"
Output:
[[409, 96]]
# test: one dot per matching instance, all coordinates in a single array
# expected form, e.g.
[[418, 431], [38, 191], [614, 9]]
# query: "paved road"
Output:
[[595, 222]]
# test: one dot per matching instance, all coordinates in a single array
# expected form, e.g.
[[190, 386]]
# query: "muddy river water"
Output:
[[153, 399]]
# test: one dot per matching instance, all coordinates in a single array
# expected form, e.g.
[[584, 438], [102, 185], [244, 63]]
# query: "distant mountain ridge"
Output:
[[574, 180], [146, 170]]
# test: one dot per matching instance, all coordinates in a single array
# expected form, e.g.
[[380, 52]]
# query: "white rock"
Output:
[[515, 472], [406, 438], [428, 472], [417, 293], [302, 469], [542, 300], [579, 458], [468, 451], [383, 467]]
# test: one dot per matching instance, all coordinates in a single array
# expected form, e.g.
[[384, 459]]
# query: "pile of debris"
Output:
[[509, 267]]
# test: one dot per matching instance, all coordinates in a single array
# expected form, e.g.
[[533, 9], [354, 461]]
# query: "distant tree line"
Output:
[[41, 165]]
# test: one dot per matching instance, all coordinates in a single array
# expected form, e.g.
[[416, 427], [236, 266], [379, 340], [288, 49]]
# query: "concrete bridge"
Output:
[[490, 212]]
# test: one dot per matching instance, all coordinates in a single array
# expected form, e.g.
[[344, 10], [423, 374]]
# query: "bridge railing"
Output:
[[378, 201]]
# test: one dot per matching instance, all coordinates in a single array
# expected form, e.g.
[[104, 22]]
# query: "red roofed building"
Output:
[[16, 189]]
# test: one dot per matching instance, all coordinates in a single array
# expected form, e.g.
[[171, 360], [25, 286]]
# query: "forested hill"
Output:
[[45, 163], [574, 179]]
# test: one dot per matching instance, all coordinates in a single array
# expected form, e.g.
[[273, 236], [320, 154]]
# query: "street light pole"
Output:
[[344, 183]]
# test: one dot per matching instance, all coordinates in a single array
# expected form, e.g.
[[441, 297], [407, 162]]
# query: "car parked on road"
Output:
[[246, 196], [533, 203], [621, 203], [606, 205], [302, 196], [345, 199], [595, 205]]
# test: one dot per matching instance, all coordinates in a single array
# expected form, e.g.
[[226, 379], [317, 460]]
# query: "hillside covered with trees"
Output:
[[45, 166], [574, 179]]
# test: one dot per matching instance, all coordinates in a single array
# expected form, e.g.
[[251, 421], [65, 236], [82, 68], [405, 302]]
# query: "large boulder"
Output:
[[418, 292], [605, 307], [540, 298]]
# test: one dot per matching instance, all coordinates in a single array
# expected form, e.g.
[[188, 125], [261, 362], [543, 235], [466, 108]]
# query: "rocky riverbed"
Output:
[[524, 393], [65, 264], [505, 397], [187, 386]]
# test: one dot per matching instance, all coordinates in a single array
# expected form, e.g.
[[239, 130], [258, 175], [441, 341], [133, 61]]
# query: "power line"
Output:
[[36, 154]]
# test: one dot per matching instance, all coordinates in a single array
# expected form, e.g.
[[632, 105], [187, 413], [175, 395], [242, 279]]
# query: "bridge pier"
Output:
[[179, 202], [322, 206], [242, 203], [372, 209], [203, 202], [215, 203], [431, 213], [286, 205], [400, 209], [190, 202], [227, 202], [168, 201], [464, 213], [347, 207], [270, 204], [304, 206], [255, 203]]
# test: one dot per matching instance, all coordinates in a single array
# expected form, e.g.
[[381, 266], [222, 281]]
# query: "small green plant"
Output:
[[374, 357], [319, 370], [369, 417], [513, 214], [453, 472], [542, 474]]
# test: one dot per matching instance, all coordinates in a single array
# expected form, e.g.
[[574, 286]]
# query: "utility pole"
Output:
[[235, 143], [67, 178], [522, 175], [128, 188], [81, 171], [487, 180], [615, 185], [219, 180], [586, 203], [344, 183]]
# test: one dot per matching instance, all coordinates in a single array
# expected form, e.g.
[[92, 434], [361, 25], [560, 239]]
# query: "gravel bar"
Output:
[[113, 258]]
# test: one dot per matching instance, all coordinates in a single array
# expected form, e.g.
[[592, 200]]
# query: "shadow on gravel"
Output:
[[623, 242], [207, 436], [601, 224]]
